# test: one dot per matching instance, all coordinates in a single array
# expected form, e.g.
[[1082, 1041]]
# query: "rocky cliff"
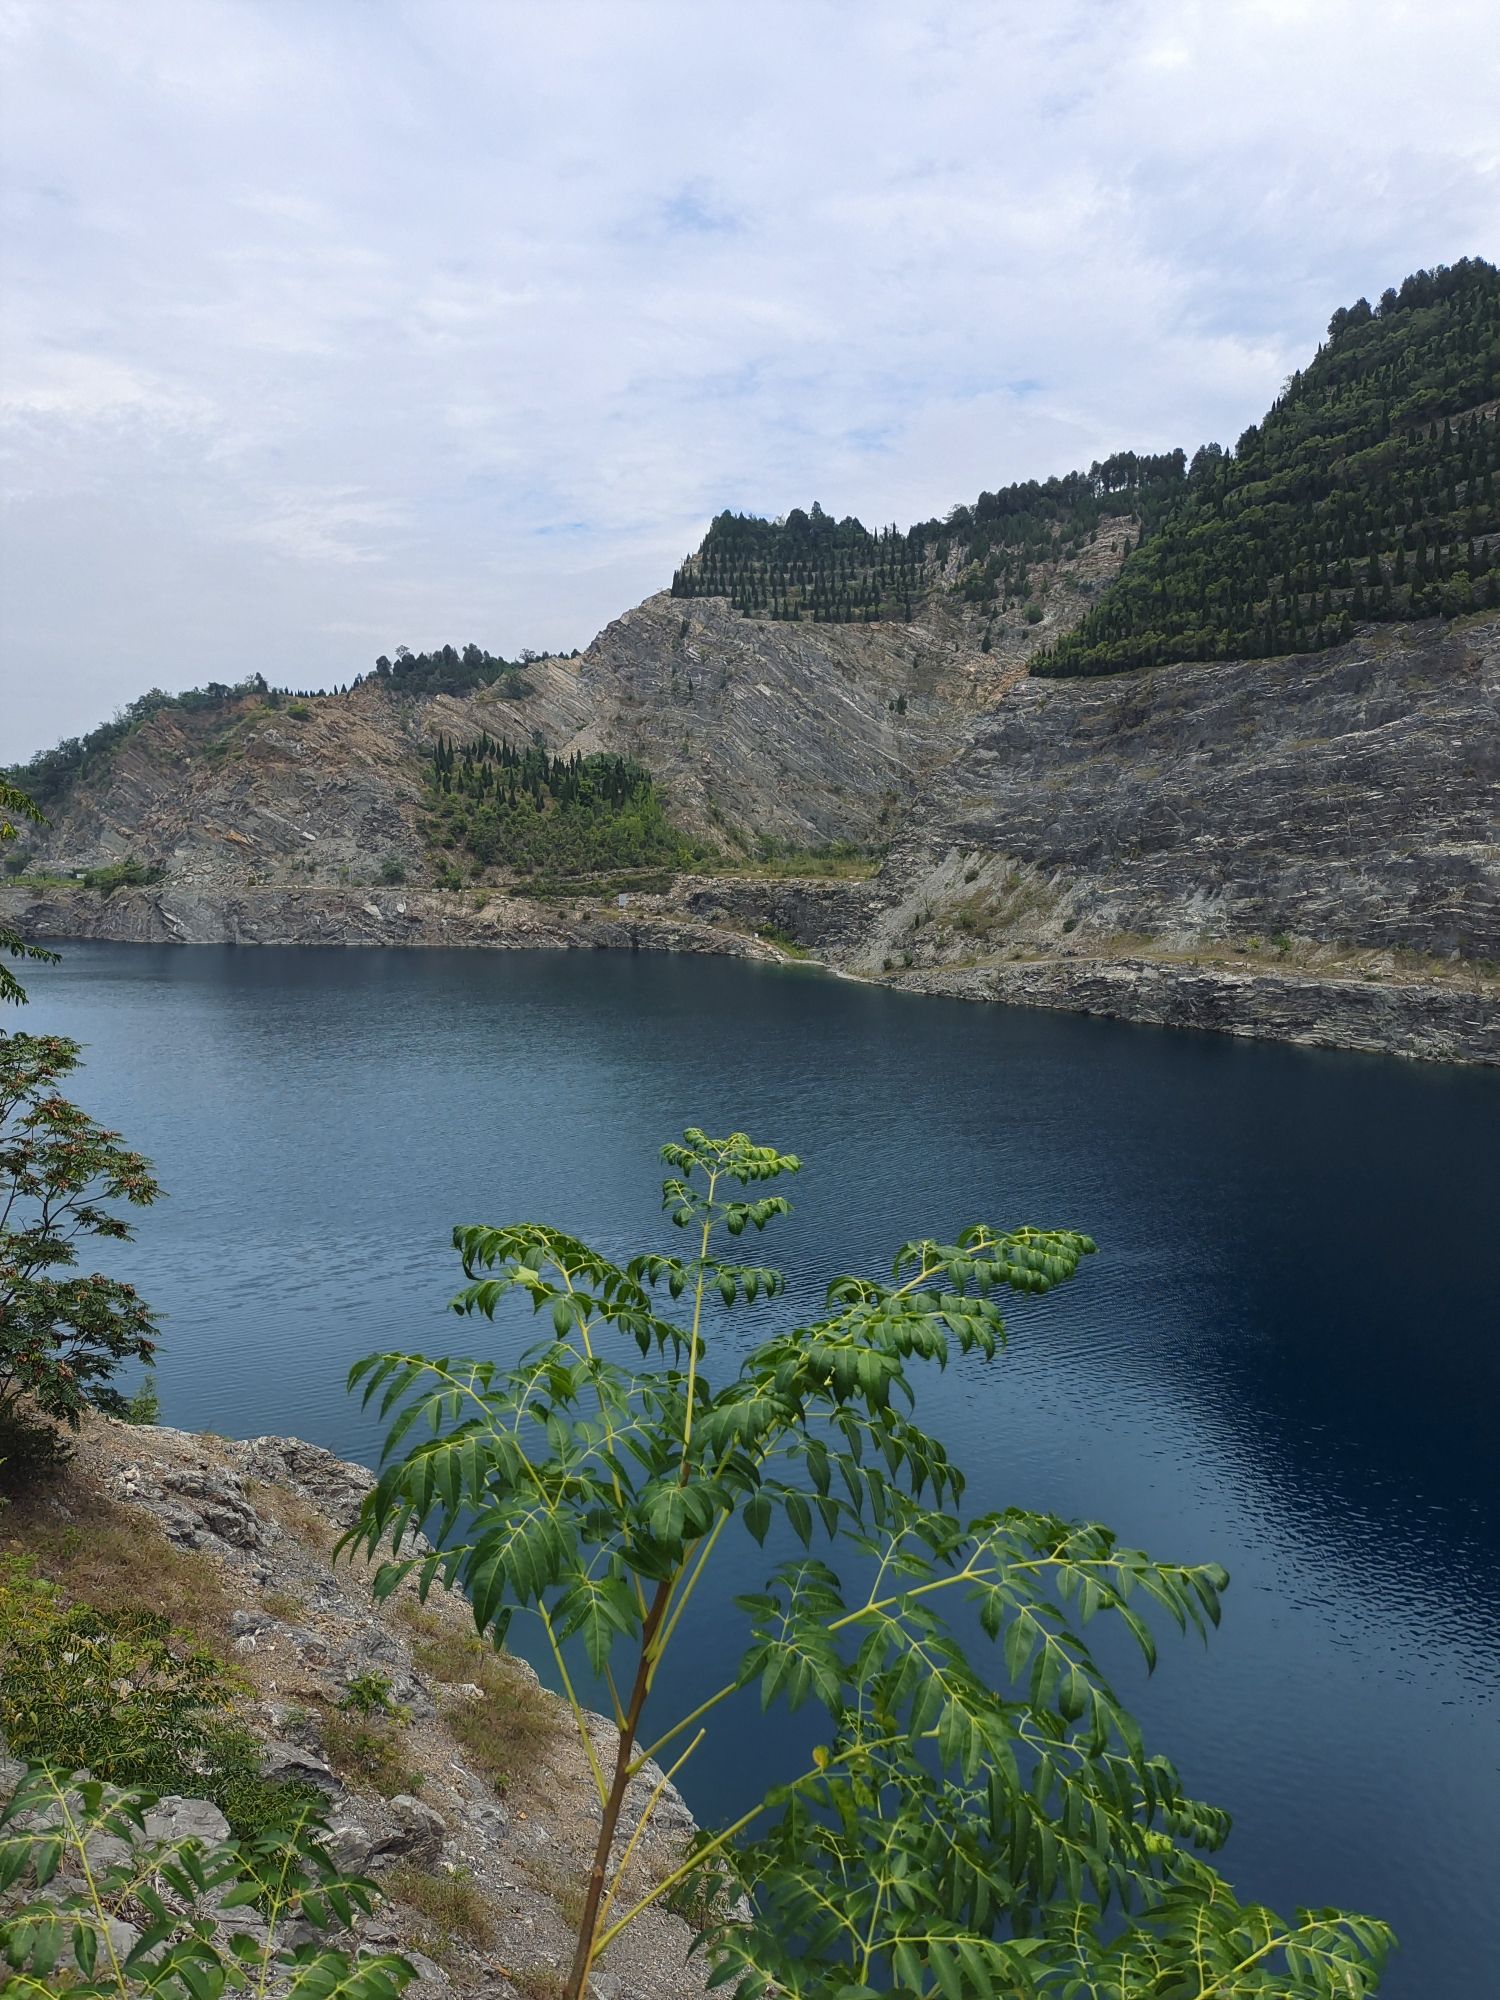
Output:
[[475, 1779], [1244, 845]]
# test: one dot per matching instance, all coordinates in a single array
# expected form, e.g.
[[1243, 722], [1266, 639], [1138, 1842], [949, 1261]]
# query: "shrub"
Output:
[[367, 1752], [120, 1695], [392, 871], [144, 1407], [132, 872]]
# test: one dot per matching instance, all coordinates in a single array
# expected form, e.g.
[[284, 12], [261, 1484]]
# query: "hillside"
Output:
[[1368, 493], [1298, 773]]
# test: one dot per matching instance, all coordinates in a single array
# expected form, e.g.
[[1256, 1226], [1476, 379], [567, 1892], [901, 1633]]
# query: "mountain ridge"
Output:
[[950, 702]]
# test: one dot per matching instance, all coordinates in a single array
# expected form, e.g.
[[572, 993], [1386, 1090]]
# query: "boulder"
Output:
[[293, 1763]]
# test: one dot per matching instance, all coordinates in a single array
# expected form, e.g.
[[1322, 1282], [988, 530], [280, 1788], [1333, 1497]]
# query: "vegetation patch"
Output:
[[451, 1904], [551, 816], [131, 873], [505, 1729], [124, 1694], [1368, 492]]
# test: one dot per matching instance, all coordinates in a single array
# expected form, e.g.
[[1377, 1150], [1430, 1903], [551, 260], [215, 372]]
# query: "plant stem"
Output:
[[583, 1957]]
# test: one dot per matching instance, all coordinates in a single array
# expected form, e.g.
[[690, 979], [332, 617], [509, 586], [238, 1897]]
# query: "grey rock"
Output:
[[417, 1834], [333, 1485], [294, 1763], [175, 1818], [106, 1850], [292, 1723], [122, 1936], [428, 1972]]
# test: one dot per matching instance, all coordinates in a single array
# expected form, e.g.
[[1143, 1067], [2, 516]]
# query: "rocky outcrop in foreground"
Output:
[[408, 1799]]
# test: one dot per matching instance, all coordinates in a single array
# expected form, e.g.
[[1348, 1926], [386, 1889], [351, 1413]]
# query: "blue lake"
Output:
[[1283, 1357]]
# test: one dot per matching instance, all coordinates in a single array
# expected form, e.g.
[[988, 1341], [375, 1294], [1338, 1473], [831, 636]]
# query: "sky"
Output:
[[328, 326]]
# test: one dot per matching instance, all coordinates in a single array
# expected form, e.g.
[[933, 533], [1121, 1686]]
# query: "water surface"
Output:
[[1283, 1357]]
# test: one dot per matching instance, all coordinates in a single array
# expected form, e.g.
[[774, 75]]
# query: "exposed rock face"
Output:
[[756, 728], [807, 733], [1351, 797], [1348, 801], [303, 792], [1329, 805], [527, 1854], [370, 917], [1450, 1022]]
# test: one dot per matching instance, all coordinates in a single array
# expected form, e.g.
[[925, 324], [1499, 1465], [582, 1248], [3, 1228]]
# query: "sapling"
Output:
[[979, 1815]]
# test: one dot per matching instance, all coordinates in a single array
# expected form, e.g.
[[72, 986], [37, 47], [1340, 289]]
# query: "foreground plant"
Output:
[[965, 1826], [92, 1906]]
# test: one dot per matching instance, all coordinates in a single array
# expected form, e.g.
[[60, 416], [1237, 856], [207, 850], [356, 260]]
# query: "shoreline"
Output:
[[1450, 1020]]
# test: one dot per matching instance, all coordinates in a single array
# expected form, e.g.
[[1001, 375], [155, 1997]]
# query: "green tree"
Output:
[[969, 1824], [15, 804], [62, 1335]]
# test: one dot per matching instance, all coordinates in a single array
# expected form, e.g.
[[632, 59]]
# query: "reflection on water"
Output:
[[1283, 1356]]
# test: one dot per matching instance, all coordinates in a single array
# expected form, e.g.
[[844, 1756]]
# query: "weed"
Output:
[[144, 1407], [537, 1982], [117, 1559], [451, 1904], [370, 1694]]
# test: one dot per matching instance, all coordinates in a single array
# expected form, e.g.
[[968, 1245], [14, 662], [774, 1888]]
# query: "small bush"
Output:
[[370, 1694], [144, 1407], [299, 711], [392, 871], [121, 1695]]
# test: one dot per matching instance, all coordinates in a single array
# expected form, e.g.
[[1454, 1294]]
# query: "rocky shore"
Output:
[[254, 1522], [1362, 1001], [1429, 1021]]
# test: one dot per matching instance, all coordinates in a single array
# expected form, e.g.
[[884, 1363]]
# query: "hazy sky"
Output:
[[332, 325]]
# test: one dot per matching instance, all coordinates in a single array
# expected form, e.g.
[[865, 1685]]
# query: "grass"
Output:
[[537, 1982], [301, 1520], [510, 1723], [783, 940], [566, 1891], [451, 1905], [284, 1605], [841, 863], [116, 1559]]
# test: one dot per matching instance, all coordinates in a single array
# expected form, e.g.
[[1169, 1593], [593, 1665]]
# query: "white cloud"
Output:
[[325, 329]]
